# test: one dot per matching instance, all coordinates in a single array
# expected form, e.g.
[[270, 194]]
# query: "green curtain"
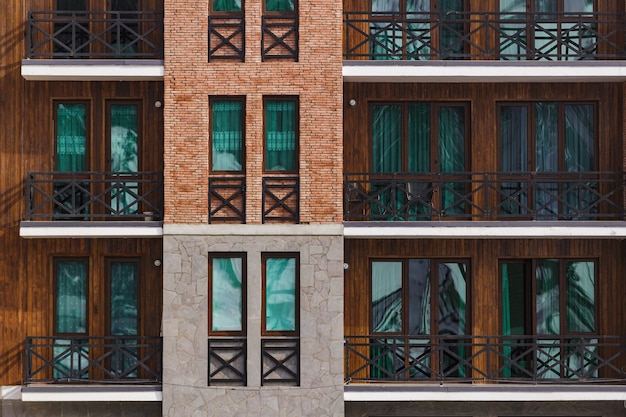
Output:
[[226, 5], [280, 294], [451, 142], [514, 155], [280, 135], [387, 138], [71, 297], [387, 297], [71, 137], [227, 135], [124, 136], [419, 137], [227, 294], [124, 298], [280, 5], [546, 157]]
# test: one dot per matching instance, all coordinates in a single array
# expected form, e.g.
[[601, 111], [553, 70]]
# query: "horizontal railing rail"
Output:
[[521, 359], [484, 196], [95, 34], [86, 359], [94, 195], [484, 35]]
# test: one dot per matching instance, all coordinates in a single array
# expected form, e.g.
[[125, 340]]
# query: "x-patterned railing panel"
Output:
[[522, 358], [484, 35], [281, 199], [227, 38], [95, 34], [280, 36], [85, 359], [280, 361], [227, 200], [228, 361]]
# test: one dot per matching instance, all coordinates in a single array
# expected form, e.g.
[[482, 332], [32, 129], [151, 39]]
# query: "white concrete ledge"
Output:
[[486, 230], [478, 393], [72, 229], [92, 70], [253, 229], [484, 71], [126, 393]]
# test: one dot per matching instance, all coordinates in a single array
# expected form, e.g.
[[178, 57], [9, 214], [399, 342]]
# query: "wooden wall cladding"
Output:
[[484, 256], [483, 99]]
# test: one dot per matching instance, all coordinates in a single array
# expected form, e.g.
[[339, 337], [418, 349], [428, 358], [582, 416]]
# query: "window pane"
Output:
[[124, 135], [71, 135], [280, 135], [387, 296], [579, 137], [71, 5], [71, 297], [226, 135], [227, 294], [452, 298], [419, 137], [226, 5], [280, 294], [580, 303], [387, 138], [451, 139], [547, 297], [419, 296], [280, 5], [124, 304], [514, 295]]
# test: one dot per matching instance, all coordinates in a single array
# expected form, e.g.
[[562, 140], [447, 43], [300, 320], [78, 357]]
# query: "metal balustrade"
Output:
[[85, 359], [280, 361], [484, 196], [280, 36], [227, 200], [227, 37], [467, 35], [281, 199], [521, 359], [95, 34], [228, 361], [94, 196]]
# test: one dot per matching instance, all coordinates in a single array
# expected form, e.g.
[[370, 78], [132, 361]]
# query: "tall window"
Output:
[[227, 127], [419, 297], [227, 299], [411, 36], [556, 32], [281, 134], [553, 299], [420, 137], [281, 288], [548, 137]]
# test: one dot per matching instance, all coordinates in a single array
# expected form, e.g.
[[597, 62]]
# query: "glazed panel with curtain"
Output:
[[227, 303], [124, 154], [227, 135], [123, 314], [281, 296], [281, 135]]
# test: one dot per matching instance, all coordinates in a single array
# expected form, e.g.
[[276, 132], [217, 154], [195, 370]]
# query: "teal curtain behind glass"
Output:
[[71, 297], [387, 297], [124, 298], [419, 137], [387, 138], [71, 137], [580, 297], [226, 5], [280, 135], [227, 135], [451, 140], [280, 5], [124, 138], [280, 294], [226, 294]]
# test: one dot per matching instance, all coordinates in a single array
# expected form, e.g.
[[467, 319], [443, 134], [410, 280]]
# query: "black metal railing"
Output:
[[281, 199], [227, 37], [280, 361], [227, 200], [95, 34], [484, 35], [484, 196], [280, 36], [228, 361], [85, 359], [94, 196], [521, 359]]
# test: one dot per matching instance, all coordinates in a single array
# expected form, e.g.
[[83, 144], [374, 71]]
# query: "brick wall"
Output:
[[190, 79]]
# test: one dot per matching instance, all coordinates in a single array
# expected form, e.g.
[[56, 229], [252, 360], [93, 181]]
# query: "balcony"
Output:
[[498, 196], [477, 46], [521, 359], [94, 45], [60, 204]]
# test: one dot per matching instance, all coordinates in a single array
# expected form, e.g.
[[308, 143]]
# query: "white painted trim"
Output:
[[34, 71], [10, 392], [484, 71], [253, 229], [65, 393], [476, 394], [87, 232], [486, 232]]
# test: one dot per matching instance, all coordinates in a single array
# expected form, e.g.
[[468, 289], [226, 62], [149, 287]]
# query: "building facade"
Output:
[[283, 208]]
